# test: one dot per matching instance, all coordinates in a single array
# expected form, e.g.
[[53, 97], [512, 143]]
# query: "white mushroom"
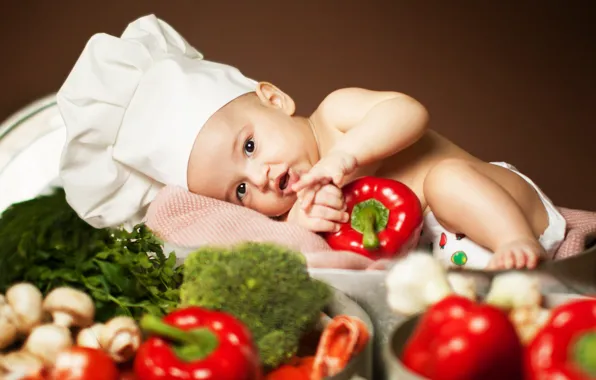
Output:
[[415, 282], [89, 337], [25, 300], [46, 341], [528, 320], [514, 289], [120, 338], [8, 327], [20, 365], [70, 307], [463, 285]]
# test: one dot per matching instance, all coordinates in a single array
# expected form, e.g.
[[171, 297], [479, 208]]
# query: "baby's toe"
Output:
[[521, 259], [531, 259], [509, 259], [496, 262]]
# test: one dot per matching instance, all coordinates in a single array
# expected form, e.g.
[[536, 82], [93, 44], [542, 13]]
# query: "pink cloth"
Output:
[[188, 220], [581, 231]]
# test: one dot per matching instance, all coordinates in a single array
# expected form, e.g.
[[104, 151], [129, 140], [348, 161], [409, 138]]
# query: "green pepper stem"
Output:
[[370, 217], [584, 353], [195, 344]]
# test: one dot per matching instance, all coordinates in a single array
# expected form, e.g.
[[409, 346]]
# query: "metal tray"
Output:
[[361, 366], [368, 289], [394, 347]]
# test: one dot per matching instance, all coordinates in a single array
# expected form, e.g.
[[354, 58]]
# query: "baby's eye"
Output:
[[241, 191], [249, 146]]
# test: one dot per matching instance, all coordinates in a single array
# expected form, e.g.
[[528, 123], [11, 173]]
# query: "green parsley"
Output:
[[43, 241]]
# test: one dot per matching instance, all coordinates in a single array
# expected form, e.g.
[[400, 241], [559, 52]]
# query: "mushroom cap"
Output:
[[415, 282], [25, 299], [463, 285], [120, 337], [73, 302], [514, 289], [20, 363], [8, 324], [8, 333], [117, 325], [47, 340], [89, 337]]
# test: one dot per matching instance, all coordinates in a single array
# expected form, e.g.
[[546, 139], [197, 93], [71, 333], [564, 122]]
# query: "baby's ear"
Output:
[[272, 96]]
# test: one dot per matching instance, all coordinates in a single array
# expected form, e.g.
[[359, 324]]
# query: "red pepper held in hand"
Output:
[[385, 219], [195, 343], [457, 338], [565, 348]]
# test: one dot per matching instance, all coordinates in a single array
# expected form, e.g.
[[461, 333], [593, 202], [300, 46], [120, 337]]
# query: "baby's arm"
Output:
[[376, 124]]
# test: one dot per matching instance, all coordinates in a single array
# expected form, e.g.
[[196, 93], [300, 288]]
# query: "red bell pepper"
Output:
[[196, 343], [565, 347], [457, 338], [84, 363], [385, 219]]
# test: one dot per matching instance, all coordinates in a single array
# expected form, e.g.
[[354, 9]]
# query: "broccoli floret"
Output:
[[266, 286]]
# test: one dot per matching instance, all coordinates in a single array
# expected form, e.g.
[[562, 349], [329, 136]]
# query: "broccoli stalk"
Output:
[[265, 286]]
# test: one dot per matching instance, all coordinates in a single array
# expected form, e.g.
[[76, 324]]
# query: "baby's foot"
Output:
[[522, 253]]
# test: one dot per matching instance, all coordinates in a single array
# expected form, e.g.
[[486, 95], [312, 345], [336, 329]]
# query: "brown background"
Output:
[[507, 82]]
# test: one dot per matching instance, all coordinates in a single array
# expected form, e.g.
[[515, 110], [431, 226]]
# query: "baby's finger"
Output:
[[327, 213], [338, 179], [320, 225], [308, 198], [329, 199], [308, 180], [333, 190]]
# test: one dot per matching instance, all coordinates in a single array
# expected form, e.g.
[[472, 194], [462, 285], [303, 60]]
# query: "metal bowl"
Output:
[[361, 366], [400, 335], [31, 142]]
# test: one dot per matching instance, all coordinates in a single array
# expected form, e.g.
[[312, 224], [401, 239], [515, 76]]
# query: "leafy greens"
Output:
[[43, 241]]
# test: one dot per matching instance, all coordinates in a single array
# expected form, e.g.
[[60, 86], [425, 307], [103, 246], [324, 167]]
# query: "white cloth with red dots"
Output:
[[456, 250]]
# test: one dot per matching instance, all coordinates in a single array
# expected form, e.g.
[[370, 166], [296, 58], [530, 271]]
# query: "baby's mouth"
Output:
[[283, 182]]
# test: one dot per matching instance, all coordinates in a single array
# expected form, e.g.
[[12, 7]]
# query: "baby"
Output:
[[146, 110]]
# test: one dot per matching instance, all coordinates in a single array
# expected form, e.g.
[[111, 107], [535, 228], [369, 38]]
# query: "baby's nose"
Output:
[[260, 176]]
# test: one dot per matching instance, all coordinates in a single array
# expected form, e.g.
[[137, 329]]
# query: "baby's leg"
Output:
[[491, 205]]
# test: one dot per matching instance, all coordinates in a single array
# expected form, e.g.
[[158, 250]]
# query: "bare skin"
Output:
[[292, 168]]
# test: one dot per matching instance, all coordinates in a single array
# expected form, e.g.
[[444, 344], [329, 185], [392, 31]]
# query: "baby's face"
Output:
[[250, 153]]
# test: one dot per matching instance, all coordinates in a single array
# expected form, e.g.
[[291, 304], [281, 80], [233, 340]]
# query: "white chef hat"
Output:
[[133, 107]]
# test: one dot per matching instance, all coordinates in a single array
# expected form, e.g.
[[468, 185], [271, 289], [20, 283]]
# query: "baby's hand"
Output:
[[332, 168], [522, 253], [326, 212]]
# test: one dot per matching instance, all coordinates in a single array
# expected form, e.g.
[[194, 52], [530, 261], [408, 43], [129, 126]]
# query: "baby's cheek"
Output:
[[271, 204]]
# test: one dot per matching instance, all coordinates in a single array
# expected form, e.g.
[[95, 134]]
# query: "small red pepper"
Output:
[[457, 338], [84, 363], [385, 219], [565, 347], [196, 343]]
